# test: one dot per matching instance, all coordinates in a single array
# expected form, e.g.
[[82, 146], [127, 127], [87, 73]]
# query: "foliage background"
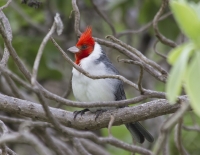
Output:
[[30, 25]]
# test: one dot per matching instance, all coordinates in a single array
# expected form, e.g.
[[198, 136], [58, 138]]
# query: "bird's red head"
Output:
[[85, 45]]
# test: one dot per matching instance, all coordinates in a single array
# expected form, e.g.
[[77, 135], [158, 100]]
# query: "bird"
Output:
[[90, 56]]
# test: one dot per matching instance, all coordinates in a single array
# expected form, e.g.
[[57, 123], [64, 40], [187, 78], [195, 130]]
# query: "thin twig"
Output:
[[93, 148], [28, 138], [112, 119], [11, 120], [160, 54], [25, 123], [20, 65], [193, 118], [4, 128], [48, 113], [6, 27], [3, 64], [177, 138], [10, 152], [3, 149], [77, 18], [142, 58], [142, 91], [104, 17], [191, 128], [65, 147], [162, 38], [165, 150], [16, 78], [27, 18], [67, 92], [145, 27], [13, 87], [50, 141], [6, 5], [5, 131], [79, 147], [39, 54], [140, 79], [43, 44], [5, 57]]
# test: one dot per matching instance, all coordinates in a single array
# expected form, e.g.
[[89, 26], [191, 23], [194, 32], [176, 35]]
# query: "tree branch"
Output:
[[122, 115]]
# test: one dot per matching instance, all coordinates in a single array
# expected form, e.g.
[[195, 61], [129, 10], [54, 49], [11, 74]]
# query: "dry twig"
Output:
[[57, 25], [142, 91], [6, 5], [112, 118], [162, 38], [177, 138], [143, 28], [104, 17], [160, 54]]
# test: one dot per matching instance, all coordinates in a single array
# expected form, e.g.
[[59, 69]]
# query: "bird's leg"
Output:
[[76, 113], [99, 112]]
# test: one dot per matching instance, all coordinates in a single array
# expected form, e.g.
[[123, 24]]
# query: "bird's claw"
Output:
[[76, 113], [98, 113], [81, 112]]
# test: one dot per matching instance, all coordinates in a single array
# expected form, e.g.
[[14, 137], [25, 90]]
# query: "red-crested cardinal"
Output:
[[90, 56]]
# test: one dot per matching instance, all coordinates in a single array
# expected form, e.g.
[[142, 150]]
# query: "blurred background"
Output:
[[31, 24]]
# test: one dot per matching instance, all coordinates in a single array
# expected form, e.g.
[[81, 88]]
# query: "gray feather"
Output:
[[136, 129]]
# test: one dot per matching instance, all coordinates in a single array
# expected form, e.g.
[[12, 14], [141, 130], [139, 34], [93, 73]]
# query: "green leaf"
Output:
[[193, 82], [187, 18], [175, 53], [176, 76]]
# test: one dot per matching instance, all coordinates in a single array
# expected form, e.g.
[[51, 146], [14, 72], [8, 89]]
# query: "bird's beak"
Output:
[[73, 49]]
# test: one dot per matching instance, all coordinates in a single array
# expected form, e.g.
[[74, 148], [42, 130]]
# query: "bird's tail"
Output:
[[138, 132]]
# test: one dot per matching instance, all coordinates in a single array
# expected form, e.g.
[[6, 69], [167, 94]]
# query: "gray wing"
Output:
[[119, 89], [119, 93]]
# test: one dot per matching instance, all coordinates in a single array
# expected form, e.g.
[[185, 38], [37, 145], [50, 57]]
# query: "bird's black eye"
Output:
[[83, 47]]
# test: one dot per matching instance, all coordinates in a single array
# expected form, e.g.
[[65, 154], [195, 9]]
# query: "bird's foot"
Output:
[[99, 112], [76, 113]]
